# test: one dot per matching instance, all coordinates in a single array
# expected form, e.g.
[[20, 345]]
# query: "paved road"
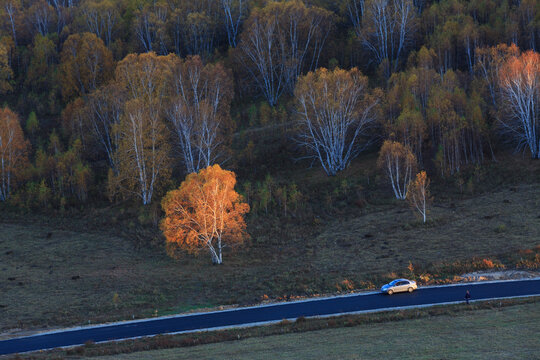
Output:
[[272, 313]]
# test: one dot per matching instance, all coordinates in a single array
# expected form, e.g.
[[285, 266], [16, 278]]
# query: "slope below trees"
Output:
[[51, 277]]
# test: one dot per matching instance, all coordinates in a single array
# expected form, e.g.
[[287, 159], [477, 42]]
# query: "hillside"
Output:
[[166, 156], [54, 274]]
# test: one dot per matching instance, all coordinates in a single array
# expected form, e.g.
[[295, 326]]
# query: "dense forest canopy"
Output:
[[121, 99]]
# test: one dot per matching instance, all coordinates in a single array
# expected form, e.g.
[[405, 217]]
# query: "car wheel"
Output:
[[411, 289], [390, 292]]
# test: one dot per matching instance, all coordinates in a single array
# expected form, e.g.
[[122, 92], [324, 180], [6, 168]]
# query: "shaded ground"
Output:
[[506, 333], [482, 226], [51, 277]]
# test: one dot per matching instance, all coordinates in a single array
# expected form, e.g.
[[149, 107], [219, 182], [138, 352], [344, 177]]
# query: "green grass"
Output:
[[52, 275], [505, 333]]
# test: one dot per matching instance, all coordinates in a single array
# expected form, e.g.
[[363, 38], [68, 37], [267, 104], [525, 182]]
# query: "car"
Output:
[[399, 285]]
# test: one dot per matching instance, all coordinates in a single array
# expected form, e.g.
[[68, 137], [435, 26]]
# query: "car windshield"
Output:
[[394, 282]]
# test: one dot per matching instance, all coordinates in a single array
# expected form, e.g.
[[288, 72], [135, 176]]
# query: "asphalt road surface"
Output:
[[271, 313]]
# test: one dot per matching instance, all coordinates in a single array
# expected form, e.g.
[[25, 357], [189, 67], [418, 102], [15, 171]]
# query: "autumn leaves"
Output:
[[128, 127], [144, 148], [13, 152], [399, 164], [205, 213], [172, 109], [520, 89], [157, 112]]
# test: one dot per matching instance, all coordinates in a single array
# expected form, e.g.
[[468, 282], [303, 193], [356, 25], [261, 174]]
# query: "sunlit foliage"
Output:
[[205, 213]]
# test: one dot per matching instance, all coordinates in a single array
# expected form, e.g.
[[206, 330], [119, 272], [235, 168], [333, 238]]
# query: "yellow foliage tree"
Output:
[[144, 151], [86, 63], [13, 152], [205, 212], [6, 74], [418, 194]]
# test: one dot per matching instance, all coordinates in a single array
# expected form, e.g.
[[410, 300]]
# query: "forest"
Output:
[[117, 101]]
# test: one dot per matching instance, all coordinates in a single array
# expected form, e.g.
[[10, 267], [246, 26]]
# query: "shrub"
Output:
[[345, 285], [533, 263]]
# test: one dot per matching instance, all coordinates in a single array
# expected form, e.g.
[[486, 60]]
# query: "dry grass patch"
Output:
[[389, 239], [52, 278]]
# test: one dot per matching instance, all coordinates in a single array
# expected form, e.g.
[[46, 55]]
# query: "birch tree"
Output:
[[61, 10], [399, 164], [235, 12], [418, 195], [457, 125], [13, 152], [489, 62], [195, 25], [40, 16], [149, 26], [404, 107], [101, 18], [355, 11], [205, 213], [280, 42], [199, 111], [520, 89], [104, 110], [12, 10], [335, 109], [86, 63], [144, 153], [387, 30]]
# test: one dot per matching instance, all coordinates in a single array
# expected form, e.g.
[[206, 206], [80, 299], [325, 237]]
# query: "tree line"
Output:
[[123, 96]]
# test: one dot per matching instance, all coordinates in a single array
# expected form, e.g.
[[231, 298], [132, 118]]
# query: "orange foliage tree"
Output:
[[489, 62], [519, 80], [418, 194], [205, 212], [13, 152]]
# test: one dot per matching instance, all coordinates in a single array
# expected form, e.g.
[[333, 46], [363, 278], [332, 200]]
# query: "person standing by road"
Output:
[[467, 296]]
